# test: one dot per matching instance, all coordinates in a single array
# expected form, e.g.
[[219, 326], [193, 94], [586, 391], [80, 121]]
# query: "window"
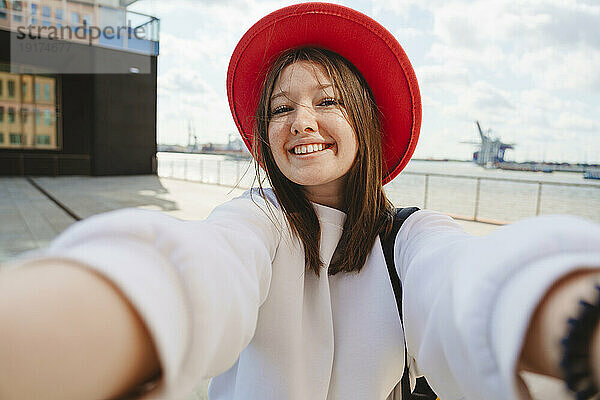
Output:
[[33, 14], [1, 137], [74, 18], [37, 91], [87, 22], [43, 139], [24, 115], [15, 138], [1, 114], [46, 91], [24, 89], [48, 117], [38, 118], [17, 8], [1, 87], [11, 115], [46, 14], [59, 17], [11, 88], [3, 6]]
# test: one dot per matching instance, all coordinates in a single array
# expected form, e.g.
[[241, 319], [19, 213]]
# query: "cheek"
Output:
[[275, 136], [348, 139], [276, 144]]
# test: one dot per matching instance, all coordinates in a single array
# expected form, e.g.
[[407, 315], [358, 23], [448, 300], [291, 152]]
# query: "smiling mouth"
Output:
[[310, 148]]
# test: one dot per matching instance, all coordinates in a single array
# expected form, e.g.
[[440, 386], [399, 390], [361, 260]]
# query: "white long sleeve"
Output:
[[197, 285], [468, 300]]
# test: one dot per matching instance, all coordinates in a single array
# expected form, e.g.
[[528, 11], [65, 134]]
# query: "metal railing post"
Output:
[[539, 199], [426, 191], [477, 190], [219, 172], [202, 171]]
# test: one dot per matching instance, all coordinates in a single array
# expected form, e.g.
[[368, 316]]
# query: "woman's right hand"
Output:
[[68, 333]]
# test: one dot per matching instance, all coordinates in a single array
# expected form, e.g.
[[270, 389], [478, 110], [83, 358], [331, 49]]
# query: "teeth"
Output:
[[311, 148]]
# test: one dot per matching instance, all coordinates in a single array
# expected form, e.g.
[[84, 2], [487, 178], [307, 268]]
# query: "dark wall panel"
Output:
[[125, 123], [4, 46], [77, 113]]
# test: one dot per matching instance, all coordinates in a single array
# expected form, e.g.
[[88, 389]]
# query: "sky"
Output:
[[529, 70]]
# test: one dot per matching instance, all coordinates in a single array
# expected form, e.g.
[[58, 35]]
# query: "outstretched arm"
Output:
[[67, 333], [195, 286], [470, 302]]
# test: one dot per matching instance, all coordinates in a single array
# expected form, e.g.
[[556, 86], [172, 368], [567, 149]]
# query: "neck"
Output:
[[329, 194]]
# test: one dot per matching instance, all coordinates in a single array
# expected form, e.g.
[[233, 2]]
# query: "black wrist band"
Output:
[[576, 362]]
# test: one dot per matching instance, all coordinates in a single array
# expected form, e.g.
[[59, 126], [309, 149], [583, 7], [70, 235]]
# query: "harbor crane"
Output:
[[491, 149]]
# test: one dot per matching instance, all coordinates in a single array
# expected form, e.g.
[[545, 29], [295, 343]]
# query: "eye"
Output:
[[280, 110], [330, 101]]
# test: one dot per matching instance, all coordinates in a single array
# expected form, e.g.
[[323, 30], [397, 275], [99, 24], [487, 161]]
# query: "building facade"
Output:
[[28, 112], [88, 110]]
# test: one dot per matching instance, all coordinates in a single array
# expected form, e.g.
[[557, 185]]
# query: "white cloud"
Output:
[[492, 57], [560, 68], [407, 33], [572, 122], [445, 75], [480, 100]]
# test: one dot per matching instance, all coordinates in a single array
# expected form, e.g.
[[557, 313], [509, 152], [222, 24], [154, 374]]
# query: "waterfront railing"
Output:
[[494, 200]]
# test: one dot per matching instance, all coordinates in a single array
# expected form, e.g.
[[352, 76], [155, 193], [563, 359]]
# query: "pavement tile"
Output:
[[28, 220]]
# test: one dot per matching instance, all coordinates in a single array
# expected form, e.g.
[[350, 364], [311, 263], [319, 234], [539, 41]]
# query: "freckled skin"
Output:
[[308, 112]]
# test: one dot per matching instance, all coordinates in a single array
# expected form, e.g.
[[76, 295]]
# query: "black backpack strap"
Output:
[[387, 244], [422, 390]]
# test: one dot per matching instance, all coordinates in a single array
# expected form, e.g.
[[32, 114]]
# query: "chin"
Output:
[[308, 181], [315, 181]]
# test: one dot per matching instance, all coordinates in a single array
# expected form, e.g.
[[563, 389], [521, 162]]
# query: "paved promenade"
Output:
[[35, 210], [29, 219]]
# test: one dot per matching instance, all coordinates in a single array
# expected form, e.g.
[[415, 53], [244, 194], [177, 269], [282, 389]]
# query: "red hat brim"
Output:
[[353, 35]]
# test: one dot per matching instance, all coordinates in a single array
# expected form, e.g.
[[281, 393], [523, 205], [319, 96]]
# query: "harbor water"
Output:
[[461, 189]]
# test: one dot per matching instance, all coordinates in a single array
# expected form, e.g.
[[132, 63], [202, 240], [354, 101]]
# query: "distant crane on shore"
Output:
[[491, 149], [192, 134]]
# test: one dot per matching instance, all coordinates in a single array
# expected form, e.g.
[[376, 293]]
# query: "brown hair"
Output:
[[368, 211]]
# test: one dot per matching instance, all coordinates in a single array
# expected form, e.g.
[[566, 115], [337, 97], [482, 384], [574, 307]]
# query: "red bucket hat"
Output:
[[353, 35]]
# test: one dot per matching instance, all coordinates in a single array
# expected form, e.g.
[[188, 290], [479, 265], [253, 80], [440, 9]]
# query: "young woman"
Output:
[[284, 293]]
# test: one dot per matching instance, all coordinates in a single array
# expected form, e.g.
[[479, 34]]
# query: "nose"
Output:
[[304, 121]]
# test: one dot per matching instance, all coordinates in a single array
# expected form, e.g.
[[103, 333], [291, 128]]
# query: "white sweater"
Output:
[[229, 298]]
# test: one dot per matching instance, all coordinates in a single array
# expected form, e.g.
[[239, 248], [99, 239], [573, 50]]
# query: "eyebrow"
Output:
[[316, 87]]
